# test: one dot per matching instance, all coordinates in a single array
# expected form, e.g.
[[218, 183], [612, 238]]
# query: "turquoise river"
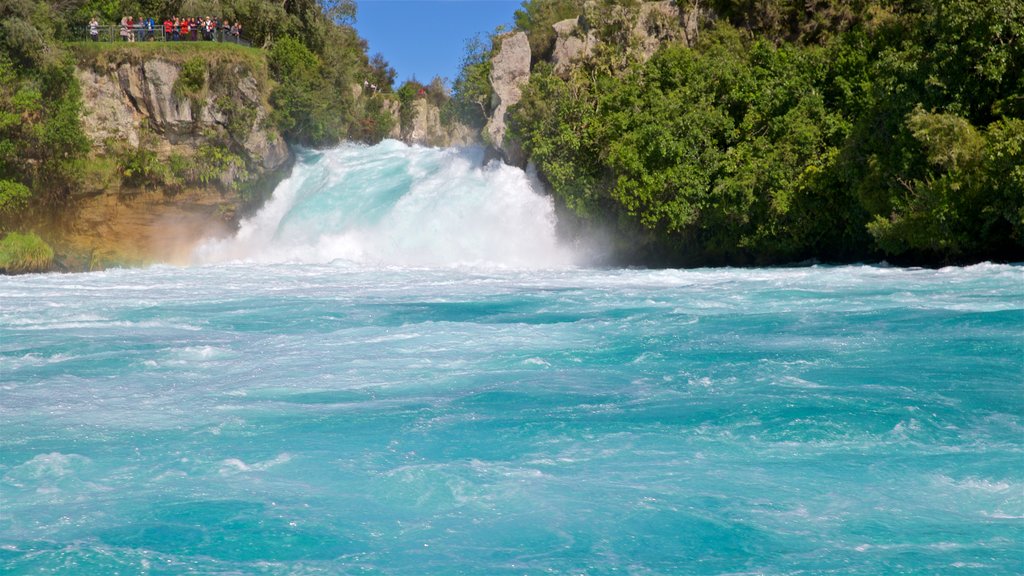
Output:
[[395, 368]]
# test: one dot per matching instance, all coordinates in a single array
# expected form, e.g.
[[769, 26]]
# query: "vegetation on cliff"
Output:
[[217, 129], [24, 253], [851, 130]]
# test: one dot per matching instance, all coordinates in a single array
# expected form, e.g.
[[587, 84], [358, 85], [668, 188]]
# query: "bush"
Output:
[[13, 197], [24, 254], [140, 167]]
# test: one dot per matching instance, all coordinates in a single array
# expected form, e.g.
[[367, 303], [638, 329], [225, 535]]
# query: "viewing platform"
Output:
[[142, 33]]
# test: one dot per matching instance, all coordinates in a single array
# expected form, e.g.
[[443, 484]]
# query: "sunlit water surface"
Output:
[[332, 401]]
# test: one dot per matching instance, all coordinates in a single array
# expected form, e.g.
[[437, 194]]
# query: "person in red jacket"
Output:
[[184, 28], [168, 29]]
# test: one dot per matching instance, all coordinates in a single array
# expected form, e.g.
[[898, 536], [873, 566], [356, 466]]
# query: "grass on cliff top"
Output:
[[24, 253], [102, 54]]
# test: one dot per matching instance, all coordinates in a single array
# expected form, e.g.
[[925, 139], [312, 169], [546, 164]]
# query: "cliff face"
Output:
[[180, 147]]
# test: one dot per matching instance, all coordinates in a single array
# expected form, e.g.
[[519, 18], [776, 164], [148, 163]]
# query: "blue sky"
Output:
[[424, 38]]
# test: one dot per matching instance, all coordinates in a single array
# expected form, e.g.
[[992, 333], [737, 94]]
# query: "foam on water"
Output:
[[343, 389], [392, 204], [289, 418]]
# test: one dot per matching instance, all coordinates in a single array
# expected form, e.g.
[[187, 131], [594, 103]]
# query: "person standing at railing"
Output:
[[236, 31], [150, 25], [94, 29], [124, 29], [168, 29], [225, 30]]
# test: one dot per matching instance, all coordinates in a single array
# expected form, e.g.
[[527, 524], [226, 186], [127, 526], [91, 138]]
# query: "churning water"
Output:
[[394, 205], [395, 369]]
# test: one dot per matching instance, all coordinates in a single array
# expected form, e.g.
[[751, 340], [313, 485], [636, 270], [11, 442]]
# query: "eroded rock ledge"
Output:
[[181, 146]]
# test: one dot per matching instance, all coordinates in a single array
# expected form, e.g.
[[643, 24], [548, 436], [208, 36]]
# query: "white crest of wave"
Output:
[[393, 204]]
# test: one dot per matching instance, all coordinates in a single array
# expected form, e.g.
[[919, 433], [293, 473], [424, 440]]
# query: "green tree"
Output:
[[298, 110], [471, 92]]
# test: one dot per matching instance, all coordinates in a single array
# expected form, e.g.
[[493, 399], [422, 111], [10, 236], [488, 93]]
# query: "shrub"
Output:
[[192, 78], [13, 197], [24, 253], [141, 166]]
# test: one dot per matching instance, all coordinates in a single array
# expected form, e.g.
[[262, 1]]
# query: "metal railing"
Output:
[[140, 33]]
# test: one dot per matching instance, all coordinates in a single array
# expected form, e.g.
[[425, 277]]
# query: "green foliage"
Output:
[[241, 119], [41, 138], [471, 96], [836, 130], [192, 78], [27, 34], [297, 71], [406, 96], [212, 163], [381, 74], [309, 108], [970, 200], [373, 122], [808, 21], [25, 254], [710, 150], [140, 166], [14, 197], [556, 121]]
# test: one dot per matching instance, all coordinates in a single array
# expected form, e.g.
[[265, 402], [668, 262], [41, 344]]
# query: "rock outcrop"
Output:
[[571, 44], [660, 22], [426, 128], [650, 25], [124, 101], [136, 104], [510, 70]]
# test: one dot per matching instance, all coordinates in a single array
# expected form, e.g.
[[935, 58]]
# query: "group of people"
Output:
[[190, 29], [174, 29]]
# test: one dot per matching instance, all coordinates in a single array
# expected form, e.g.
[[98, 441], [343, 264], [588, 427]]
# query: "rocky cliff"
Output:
[[180, 146]]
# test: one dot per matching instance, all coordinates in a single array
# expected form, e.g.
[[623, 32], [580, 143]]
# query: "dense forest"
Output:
[[836, 130]]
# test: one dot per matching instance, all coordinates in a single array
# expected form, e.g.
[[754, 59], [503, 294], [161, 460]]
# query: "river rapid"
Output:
[[395, 368]]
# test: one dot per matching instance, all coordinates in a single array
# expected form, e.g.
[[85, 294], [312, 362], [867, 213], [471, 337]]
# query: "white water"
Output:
[[335, 393], [392, 204]]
